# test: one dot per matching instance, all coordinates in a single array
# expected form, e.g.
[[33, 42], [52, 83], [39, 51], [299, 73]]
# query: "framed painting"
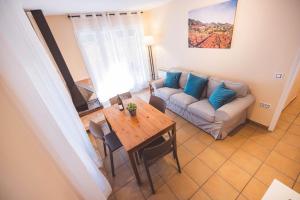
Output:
[[212, 26]]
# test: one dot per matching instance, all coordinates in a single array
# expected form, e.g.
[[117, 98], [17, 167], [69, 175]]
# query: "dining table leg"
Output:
[[134, 167]]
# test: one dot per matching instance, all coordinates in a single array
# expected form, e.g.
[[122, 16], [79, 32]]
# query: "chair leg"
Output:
[[174, 155], [112, 163], [137, 158], [149, 178], [169, 134], [104, 147], [177, 161]]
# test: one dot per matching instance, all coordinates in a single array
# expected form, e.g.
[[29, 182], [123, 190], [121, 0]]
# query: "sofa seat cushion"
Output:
[[202, 109], [166, 92], [182, 100]]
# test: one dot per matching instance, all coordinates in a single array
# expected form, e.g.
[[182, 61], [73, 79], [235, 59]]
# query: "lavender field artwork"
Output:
[[212, 26]]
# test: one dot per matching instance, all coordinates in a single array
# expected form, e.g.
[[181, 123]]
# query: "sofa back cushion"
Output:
[[241, 89], [204, 93], [195, 86], [183, 77], [172, 80]]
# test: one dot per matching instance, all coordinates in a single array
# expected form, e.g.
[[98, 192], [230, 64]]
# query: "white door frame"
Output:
[[286, 91]]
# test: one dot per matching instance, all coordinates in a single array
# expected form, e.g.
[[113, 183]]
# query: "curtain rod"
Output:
[[110, 14]]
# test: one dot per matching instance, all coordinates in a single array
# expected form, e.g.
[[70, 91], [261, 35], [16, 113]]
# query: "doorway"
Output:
[[290, 91]]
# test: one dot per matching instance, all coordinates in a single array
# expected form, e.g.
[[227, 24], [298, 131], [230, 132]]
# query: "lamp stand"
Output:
[[151, 62]]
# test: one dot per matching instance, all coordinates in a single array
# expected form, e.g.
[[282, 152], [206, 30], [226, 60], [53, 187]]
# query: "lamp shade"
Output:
[[148, 40]]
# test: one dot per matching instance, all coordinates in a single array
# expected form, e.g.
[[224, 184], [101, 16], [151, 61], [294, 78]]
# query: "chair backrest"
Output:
[[154, 153], [114, 100], [126, 95], [158, 103], [96, 130], [85, 93], [108, 124]]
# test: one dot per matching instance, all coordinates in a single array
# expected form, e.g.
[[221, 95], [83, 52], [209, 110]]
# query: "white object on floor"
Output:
[[279, 191]]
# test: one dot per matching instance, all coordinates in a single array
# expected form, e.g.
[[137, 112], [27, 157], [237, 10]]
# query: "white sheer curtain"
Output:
[[114, 52], [38, 91]]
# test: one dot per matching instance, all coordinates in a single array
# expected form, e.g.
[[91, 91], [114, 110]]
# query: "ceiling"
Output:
[[54, 7]]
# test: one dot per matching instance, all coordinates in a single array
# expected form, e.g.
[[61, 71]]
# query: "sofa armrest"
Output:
[[232, 109], [157, 84]]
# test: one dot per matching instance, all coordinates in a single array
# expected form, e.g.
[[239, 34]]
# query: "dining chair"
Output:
[[158, 103], [110, 140], [114, 100], [151, 154]]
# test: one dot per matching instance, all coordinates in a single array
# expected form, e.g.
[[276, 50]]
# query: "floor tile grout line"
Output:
[[123, 185], [199, 187], [295, 182], [253, 176], [286, 134], [280, 172], [165, 183], [264, 162], [195, 157], [292, 122], [172, 191], [214, 171], [227, 159], [273, 149]]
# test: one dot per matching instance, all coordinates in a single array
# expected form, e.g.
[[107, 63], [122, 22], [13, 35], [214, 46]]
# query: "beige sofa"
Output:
[[218, 122]]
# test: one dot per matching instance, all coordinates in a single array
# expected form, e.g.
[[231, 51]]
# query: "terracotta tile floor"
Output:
[[240, 167]]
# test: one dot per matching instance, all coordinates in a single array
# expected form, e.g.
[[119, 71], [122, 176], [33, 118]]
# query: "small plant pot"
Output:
[[131, 107], [132, 113]]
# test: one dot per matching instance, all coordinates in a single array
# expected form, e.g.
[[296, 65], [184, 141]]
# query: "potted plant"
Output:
[[131, 107]]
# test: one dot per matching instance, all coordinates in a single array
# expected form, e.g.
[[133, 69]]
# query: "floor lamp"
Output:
[[149, 41]]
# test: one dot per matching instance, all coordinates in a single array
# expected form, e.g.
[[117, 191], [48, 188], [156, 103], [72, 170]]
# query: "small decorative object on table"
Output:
[[120, 103], [131, 107]]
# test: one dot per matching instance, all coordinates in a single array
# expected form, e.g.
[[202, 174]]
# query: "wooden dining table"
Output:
[[138, 131]]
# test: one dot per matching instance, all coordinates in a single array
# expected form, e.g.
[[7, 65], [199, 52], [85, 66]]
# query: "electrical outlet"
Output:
[[265, 105], [279, 76]]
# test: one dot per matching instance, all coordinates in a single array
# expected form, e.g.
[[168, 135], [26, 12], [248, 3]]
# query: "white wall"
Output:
[[62, 30], [265, 40], [27, 170]]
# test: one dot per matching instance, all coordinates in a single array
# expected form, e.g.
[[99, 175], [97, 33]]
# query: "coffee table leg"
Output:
[[133, 165]]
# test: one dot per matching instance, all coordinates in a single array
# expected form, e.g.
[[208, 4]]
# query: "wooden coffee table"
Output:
[[137, 132]]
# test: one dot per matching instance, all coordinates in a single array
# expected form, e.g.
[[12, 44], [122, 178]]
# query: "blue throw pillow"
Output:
[[220, 96], [195, 86], [172, 80]]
